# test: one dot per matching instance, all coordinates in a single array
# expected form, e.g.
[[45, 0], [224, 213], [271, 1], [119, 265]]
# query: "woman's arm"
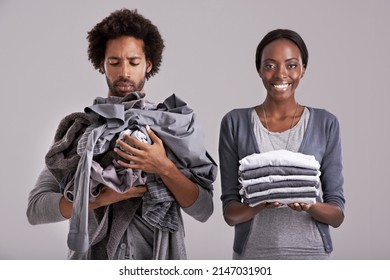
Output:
[[331, 210], [326, 213], [237, 212]]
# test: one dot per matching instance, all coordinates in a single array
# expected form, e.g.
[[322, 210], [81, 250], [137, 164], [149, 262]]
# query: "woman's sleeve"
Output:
[[228, 162], [332, 179]]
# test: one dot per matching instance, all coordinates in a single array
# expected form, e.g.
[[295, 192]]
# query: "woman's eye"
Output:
[[292, 66]]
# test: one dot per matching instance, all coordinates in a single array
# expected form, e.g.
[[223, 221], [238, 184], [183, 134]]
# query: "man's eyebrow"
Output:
[[134, 57], [128, 58]]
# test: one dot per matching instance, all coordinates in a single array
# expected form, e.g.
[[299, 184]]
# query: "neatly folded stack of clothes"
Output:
[[279, 176]]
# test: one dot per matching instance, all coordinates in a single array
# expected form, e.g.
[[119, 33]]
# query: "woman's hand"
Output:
[[300, 206], [237, 212], [327, 213], [272, 204]]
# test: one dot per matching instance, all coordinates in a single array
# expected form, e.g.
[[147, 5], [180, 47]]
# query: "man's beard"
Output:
[[134, 87]]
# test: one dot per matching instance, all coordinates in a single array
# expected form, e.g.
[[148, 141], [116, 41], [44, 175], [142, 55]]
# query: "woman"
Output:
[[284, 229]]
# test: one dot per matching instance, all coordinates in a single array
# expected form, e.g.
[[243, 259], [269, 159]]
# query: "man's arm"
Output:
[[44, 200], [106, 197], [47, 205]]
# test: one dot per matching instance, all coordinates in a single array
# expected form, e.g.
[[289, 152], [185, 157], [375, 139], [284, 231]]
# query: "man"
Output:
[[126, 223]]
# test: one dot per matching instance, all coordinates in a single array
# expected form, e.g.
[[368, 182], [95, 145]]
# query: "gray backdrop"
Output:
[[209, 62]]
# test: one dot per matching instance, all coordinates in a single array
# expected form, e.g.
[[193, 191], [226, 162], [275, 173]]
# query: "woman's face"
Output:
[[281, 69]]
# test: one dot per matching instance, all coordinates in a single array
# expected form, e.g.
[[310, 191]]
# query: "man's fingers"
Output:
[[140, 189], [124, 154], [137, 191], [134, 142], [152, 135]]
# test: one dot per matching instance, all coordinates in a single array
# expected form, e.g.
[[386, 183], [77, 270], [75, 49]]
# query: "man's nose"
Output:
[[125, 70]]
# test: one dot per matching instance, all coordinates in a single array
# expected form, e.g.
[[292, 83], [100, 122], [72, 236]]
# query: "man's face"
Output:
[[125, 65]]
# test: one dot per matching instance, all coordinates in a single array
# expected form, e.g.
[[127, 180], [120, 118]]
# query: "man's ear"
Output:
[[102, 67], [149, 66]]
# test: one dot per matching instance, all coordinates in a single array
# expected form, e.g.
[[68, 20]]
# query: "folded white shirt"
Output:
[[278, 158]]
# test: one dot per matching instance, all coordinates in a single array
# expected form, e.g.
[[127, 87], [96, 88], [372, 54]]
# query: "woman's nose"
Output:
[[281, 72]]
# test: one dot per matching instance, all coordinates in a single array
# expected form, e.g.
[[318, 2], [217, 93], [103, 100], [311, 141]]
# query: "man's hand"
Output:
[[106, 197], [149, 158], [109, 196], [153, 159]]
